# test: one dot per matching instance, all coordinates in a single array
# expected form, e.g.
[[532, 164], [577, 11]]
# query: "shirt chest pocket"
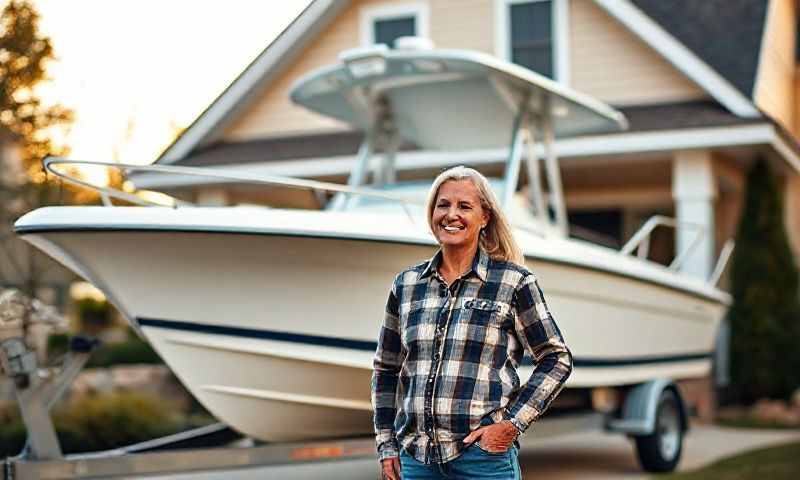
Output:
[[486, 313]]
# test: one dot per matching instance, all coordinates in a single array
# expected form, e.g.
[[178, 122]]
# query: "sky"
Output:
[[137, 71]]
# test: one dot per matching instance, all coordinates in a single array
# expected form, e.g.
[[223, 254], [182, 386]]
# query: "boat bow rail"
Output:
[[107, 193]]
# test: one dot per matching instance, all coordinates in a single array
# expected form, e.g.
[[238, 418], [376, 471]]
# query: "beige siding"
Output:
[[796, 102], [774, 91], [607, 61], [273, 114], [612, 64], [467, 24], [792, 214]]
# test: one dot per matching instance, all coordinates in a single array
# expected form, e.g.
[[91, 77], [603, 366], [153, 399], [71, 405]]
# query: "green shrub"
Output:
[[12, 432], [114, 420], [765, 315], [94, 315], [102, 422], [57, 345], [131, 351], [128, 352]]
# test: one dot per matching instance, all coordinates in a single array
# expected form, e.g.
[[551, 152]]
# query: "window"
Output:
[[386, 23], [531, 36], [533, 33], [388, 30]]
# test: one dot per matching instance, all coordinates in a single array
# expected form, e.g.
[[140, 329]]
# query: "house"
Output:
[[707, 87]]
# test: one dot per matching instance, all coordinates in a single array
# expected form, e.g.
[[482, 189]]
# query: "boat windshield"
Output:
[[414, 192]]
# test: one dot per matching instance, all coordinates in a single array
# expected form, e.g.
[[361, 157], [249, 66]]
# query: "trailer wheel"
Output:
[[661, 450]]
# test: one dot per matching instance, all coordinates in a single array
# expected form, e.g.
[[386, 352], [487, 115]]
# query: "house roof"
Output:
[[736, 27], [671, 116], [715, 66]]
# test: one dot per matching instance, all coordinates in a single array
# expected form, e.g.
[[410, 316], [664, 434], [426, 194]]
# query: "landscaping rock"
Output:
[[96, 380], [776, 411], [155, 380]]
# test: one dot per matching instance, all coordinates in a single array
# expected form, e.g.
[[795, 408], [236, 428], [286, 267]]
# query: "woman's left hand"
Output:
[[495, 438]]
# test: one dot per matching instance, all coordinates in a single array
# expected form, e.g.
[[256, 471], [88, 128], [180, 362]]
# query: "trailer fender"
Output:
[[640, 406]]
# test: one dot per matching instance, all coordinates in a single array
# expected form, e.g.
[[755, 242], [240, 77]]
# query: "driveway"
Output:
[[598, 455]]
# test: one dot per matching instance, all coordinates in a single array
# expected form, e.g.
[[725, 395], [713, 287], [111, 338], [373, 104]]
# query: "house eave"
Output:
[[586, 147]]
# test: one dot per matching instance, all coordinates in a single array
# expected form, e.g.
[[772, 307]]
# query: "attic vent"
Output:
[[413, 43]]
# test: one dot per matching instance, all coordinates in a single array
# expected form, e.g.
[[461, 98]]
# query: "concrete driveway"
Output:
[[598, 455]]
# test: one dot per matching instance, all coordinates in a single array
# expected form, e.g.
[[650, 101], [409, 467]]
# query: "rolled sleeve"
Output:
[[387, 363], [541, 337]]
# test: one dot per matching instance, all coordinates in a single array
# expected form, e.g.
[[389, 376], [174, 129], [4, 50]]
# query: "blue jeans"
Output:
[[474, 463]]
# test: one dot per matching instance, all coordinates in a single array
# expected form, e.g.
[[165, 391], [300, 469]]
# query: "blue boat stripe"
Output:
[[262, 334], [364, 345]]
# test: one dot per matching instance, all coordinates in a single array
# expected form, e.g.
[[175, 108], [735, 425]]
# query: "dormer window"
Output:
[[533, 33], [387, 23], [390, 29]]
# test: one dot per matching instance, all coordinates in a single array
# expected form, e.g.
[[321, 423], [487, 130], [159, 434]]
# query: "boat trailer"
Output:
[[652, 413]]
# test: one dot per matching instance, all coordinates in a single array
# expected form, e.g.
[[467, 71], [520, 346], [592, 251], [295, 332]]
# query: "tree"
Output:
[[24, 55], [765, 315], [27, 124]]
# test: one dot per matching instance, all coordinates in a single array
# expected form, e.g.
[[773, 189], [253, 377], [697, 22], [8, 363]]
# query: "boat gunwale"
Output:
[[719, 296]]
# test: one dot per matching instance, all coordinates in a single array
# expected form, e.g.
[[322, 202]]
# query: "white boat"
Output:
[[270, 316]]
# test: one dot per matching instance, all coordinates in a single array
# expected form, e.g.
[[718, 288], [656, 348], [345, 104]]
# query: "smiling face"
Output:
[[458, 215]]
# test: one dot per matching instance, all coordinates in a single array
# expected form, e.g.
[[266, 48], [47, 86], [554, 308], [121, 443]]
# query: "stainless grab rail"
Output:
[[647, 228], [635, 243]]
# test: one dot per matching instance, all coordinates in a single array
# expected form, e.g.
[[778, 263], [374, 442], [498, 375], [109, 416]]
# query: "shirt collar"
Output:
[[480, 264]]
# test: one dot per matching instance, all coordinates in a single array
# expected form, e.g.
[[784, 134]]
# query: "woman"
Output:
[[448, 401]]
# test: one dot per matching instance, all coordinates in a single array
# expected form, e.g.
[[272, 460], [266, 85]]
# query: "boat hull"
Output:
[[274, 334]]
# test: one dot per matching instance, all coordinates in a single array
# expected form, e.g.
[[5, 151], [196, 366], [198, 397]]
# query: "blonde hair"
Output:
[[496, 238]]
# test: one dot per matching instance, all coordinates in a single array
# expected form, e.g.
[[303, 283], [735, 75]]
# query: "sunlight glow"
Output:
[[136, 73]]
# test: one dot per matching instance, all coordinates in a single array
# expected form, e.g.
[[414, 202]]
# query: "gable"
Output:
[[726, 34], [599, 49], [453, 24], [612, 64]]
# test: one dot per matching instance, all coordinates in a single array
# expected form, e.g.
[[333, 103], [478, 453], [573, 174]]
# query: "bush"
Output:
[[94, 315], [131, 351], [109, 421], [765, 315], [57, 345], [128, 352], [12, 432], [102, 422]]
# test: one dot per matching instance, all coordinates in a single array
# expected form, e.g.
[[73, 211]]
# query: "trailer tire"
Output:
[[661, 450]]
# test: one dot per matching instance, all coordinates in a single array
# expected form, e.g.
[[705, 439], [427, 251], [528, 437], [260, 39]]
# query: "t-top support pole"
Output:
[[551, 162], [515, 155]]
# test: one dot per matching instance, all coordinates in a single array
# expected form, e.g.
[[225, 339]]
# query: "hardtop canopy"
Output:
[[446, 99]]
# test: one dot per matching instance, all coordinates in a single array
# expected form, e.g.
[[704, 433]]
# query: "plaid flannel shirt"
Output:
[[447, 357]]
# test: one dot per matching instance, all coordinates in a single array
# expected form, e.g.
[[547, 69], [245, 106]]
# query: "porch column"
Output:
[[694, 189]]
